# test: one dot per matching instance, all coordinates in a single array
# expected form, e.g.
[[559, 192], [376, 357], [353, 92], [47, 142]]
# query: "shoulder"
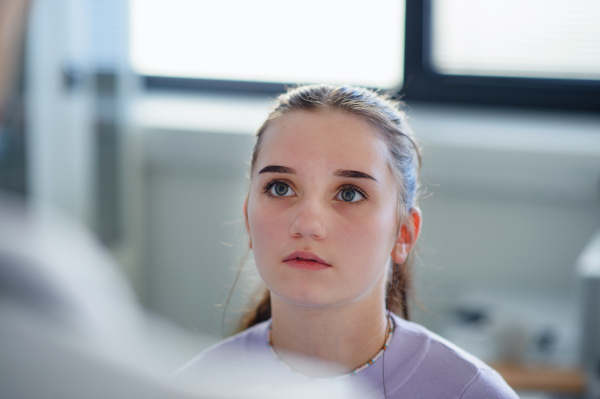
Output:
[[240, 348], [448, 367], [488, 384], [438, 347]]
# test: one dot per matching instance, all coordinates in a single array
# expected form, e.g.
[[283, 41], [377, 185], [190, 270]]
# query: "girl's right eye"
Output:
[[280, 189]]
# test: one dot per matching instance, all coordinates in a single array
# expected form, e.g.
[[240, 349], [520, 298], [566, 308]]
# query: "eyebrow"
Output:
[[277, 169], [353, 173], [340, 172]]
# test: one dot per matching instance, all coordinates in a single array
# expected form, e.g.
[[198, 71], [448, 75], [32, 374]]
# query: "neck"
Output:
[[346, 335]]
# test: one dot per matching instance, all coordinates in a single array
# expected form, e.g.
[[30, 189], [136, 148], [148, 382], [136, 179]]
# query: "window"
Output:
[[557, 39], [269, 41], [510, 52], [537, 53]]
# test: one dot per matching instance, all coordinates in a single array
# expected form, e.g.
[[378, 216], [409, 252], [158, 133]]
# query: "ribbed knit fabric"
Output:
[[418, 364]]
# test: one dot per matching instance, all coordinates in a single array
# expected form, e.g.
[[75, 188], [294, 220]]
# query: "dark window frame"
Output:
[[213, 85]]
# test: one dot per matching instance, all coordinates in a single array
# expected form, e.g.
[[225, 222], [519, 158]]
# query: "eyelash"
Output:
[[267, 191]]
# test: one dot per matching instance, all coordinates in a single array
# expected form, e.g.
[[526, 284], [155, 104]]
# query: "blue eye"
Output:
[[349, 195], [280, 189]]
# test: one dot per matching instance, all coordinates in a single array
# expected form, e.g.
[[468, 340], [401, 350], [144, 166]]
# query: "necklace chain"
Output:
[[353, 372]]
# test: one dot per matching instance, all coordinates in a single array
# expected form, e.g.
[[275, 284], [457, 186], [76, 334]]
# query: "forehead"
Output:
[[328, 139]]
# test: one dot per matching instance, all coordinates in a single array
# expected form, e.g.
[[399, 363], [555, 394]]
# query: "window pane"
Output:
[[336, 41], [519, 38]]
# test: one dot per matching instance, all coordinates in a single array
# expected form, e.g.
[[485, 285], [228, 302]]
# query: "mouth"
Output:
[[305, 260]]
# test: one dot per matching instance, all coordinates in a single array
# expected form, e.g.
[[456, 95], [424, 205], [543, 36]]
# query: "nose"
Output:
[[309, 220]]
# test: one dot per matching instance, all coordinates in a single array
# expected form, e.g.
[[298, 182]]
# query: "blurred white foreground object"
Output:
[[69, 323]]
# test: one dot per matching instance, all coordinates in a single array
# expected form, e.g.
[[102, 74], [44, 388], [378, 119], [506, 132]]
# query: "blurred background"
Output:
[[137, 118]]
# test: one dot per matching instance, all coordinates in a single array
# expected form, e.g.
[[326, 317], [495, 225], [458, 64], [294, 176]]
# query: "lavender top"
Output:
[[418, 364]]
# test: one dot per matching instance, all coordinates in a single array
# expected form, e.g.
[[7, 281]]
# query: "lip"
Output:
[[306, 260]]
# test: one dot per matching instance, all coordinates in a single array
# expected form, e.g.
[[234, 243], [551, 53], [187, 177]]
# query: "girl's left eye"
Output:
[[349, 195]]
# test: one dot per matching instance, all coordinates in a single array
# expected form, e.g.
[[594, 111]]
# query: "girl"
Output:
[[332, 219]]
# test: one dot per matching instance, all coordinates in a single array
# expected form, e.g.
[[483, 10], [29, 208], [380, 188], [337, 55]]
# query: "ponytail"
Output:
[[260, 313]]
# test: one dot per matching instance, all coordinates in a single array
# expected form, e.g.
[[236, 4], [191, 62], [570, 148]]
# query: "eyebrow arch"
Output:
[[277, 169], [353, 173]]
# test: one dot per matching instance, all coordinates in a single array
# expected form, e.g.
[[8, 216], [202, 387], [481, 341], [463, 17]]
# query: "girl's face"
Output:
[[321, 212]]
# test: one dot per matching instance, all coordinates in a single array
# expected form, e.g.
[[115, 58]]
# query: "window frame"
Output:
[[212, 85]]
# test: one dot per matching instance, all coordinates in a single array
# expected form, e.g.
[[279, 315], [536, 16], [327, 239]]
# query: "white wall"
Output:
[[515, 196], [194, 222]]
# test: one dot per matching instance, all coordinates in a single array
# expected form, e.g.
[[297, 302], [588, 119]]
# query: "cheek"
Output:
[[266, 229], [270, 238], [366, 243], [370, 233], [365, 246]]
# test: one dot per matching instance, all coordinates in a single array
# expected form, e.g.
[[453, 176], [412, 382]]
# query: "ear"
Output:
[[245, 209], [406, 238]]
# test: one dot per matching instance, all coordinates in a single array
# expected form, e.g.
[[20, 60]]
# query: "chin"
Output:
[[310, 297]]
